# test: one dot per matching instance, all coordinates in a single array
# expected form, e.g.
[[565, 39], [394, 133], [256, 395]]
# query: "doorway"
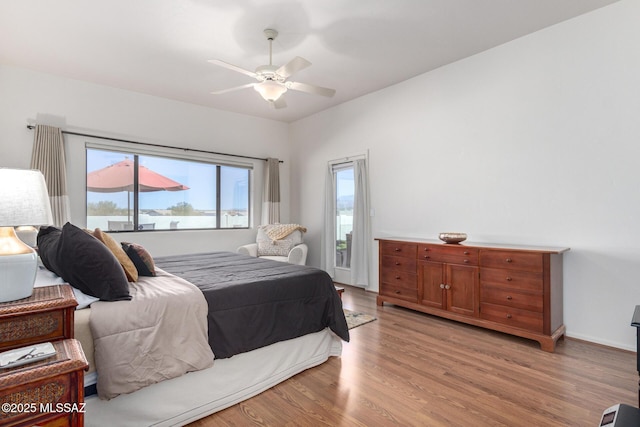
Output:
[[344, 197], [347, 236]]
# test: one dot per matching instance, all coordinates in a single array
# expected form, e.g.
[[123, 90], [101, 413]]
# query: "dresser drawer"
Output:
[[518, 318], [509, 298], [400, 278], [47, 315], [32, 328], [41, 385], [512, 260], [401, 249], [399, 284], [454, 254], [399, 263], [512, 279], [399, 292]]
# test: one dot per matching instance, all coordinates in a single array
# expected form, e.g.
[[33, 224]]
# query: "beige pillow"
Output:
[[122, 257], [282, 247], [277, 248]]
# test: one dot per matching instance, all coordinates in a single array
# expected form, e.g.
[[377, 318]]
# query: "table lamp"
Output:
[[24, 200]]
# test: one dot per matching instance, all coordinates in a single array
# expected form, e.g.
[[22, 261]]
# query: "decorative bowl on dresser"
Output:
[[452, 238], [48, 392], [507, 288]]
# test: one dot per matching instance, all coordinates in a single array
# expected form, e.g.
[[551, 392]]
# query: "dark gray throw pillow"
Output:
[[83, 261], [141, 258]]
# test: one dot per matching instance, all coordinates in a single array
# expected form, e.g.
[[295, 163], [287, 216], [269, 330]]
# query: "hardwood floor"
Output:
[[412, 369]]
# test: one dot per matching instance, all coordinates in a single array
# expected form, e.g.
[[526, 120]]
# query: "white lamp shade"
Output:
[[270, 90], [24, 198]]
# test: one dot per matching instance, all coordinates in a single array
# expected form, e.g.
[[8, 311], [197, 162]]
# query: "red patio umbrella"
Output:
[[119, 177]]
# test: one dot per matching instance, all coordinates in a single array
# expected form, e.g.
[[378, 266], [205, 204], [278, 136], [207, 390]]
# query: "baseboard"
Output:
[[593, 340]]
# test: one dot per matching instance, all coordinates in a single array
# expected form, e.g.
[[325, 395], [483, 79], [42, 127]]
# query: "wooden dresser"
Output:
[[507, 288]]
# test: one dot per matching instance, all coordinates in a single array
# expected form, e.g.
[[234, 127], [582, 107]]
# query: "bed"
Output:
[[267, 321], [255, 302]]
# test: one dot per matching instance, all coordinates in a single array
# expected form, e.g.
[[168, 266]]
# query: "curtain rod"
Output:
[[31, 127]]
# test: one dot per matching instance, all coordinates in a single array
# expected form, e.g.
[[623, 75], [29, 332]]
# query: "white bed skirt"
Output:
[[182, 400]]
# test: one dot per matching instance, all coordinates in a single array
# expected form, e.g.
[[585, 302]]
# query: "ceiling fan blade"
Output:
[[232, 67], [278, 103], [231, 89], [293, 66], [315, 90]]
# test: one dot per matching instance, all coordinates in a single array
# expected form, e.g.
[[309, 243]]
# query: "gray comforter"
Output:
[[255, 302]]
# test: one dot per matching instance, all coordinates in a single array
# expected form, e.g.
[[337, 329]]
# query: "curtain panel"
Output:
[[327, 256], [271, 193], [48, 157], [361, 234]]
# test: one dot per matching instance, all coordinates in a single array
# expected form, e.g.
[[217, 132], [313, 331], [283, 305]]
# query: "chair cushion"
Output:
[[276, 258]]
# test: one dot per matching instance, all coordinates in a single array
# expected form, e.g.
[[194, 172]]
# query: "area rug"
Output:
[[355, 318]]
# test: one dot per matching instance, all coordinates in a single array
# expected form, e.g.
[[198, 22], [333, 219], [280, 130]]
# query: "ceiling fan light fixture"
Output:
[[270, 90]]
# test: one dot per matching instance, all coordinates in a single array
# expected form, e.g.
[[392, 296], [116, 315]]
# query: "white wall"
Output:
[[534, 142], [107, 111]]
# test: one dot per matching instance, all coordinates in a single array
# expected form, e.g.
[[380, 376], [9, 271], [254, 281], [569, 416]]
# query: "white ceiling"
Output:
[[161, 47]]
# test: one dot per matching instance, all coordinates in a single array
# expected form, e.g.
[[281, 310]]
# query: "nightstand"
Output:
[[47, 315], [49, 392]]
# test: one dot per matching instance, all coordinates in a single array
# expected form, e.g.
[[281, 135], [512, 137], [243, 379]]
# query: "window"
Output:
[[344, 192], [171, 193]]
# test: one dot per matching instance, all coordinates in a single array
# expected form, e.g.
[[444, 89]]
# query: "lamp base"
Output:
[[18, 267]]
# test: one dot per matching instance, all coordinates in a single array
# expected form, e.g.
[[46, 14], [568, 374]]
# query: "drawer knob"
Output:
[[447, 286], [509, 297], [397, 277], [397, 292], [441, 285], [466, 252], [427, 257], [508, 260], [398, 249], [397, 263], [508, 316], [466, 261], [509, 278], [427, 249]]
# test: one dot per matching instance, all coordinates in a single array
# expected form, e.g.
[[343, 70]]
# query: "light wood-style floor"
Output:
[[412, 369]]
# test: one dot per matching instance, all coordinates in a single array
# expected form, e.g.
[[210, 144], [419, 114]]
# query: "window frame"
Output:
[[176, 154]]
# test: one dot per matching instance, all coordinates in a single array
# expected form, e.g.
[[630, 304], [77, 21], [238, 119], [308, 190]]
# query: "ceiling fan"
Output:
[[272, 80]]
